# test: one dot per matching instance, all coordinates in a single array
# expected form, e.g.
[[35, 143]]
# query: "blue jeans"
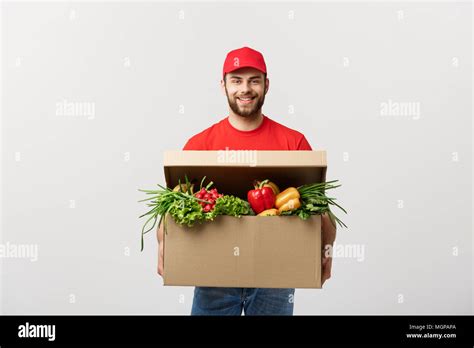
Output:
[[231, 301]]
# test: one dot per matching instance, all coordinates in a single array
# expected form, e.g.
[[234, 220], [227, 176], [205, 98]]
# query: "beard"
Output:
[[246, 111]]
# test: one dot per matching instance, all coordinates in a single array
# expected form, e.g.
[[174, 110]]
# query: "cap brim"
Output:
[[244, 66]]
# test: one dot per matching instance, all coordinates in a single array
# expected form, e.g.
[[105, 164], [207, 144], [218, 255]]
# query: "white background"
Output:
[[151, 71]]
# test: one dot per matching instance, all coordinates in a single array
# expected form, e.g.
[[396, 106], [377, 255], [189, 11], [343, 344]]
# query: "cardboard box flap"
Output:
[[233, 172]]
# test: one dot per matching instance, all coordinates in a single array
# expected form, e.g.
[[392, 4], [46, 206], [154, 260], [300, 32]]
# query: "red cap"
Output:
[[244, 57]]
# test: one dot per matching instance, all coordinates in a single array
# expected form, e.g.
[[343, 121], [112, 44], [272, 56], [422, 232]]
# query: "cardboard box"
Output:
[[251, 251]]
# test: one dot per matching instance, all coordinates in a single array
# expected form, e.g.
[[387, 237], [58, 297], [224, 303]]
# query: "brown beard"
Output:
[[247, 112]]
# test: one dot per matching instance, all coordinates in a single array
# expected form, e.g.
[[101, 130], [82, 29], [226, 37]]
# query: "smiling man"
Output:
[[245, 84]]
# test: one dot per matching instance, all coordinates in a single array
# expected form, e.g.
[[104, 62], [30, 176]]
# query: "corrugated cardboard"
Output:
[[251, 251]]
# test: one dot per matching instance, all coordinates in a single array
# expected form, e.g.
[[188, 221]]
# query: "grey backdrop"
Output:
[[94, 92]]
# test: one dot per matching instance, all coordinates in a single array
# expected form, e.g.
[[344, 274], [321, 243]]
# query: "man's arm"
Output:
[[159, 235], [328, 237]]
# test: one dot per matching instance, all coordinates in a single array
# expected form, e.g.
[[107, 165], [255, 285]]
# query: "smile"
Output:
[[245, 100]]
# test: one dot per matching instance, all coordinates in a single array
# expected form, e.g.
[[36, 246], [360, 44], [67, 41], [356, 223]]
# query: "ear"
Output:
[[267, 85], [223, 86]]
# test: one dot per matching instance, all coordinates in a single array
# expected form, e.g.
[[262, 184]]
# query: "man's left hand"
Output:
[[328, 231]]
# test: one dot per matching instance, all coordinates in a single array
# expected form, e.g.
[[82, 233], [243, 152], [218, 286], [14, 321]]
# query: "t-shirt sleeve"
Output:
[[303, 144], [194, 143]]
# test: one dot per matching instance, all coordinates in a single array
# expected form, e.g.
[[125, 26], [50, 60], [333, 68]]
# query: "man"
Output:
[[245, 84]]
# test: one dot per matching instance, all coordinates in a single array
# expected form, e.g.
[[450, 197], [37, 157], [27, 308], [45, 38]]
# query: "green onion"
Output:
[[314, 201]]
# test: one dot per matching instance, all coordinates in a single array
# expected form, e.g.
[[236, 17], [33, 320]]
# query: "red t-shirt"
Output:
[[270, 135]]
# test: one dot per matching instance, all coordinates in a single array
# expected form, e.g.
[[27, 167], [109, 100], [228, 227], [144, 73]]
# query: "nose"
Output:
[[245, 87]]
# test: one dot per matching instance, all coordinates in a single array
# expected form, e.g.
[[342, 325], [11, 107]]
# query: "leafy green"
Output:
[[187, 212], [231, 205], [165, 201]]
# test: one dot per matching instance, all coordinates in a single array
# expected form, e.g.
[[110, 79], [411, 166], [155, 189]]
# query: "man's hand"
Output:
[[159, 235], [328, 236]]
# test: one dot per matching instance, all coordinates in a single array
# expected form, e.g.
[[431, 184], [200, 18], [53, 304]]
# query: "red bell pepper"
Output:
[[261, 198]]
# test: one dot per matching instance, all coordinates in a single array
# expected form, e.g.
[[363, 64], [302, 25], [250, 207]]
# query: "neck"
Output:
[[247, 123]]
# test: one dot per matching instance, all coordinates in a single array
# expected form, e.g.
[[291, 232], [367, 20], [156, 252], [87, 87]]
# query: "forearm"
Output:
[[159, 236], [328, 231], [159, 233]]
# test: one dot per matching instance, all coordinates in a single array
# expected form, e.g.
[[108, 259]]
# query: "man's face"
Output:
[[245, 89]]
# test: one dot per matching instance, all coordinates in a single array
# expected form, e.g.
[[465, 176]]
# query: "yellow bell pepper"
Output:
[[291, 204], [283, 197], [269, 212]]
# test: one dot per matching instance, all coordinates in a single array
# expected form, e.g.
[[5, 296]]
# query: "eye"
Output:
[[256, 81]]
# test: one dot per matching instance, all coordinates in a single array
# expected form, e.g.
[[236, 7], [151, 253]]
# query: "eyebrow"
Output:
[[251, 77]]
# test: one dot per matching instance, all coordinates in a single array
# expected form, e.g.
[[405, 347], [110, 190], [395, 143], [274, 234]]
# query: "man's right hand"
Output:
[[159, 234]]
